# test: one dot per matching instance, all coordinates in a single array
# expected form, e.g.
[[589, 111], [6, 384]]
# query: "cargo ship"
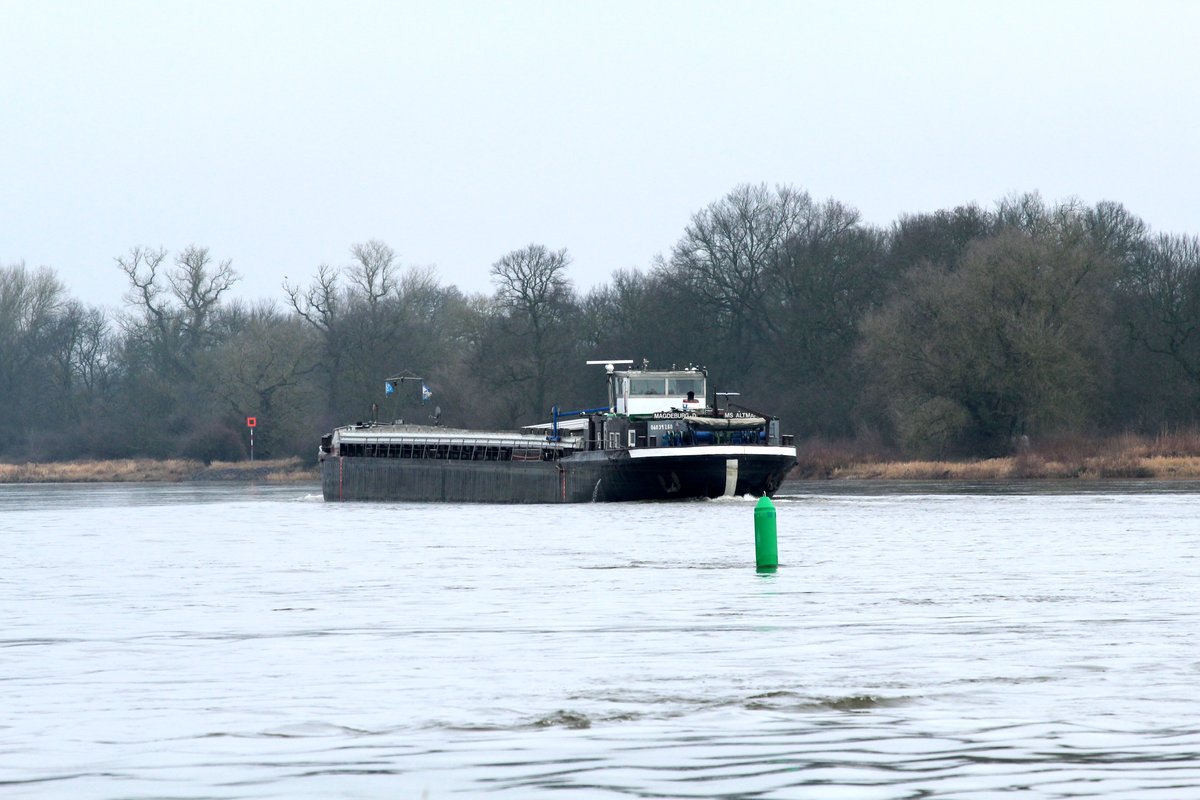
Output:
[[659, 437]]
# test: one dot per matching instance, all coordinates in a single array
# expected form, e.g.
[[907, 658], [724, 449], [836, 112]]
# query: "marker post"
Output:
[[250, 423], [766, 548]]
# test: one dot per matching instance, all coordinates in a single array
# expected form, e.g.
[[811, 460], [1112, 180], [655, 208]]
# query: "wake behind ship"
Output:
[[658, 438]]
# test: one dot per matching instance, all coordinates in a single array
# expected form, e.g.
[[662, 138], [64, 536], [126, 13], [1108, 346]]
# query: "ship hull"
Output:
[[593, 476]]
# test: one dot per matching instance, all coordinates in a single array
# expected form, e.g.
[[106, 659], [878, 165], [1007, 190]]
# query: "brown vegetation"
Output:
[[145, 470], [1170, 455]]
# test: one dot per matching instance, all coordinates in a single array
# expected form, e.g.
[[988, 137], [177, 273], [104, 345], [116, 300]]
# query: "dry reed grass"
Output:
[[991, 469], [297, 475], [146, 470], [1174, 466], [1167, 455], [1024, 468], [824, 458]]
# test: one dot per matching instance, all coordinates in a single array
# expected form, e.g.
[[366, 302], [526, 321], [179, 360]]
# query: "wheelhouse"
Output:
[[650, 391]]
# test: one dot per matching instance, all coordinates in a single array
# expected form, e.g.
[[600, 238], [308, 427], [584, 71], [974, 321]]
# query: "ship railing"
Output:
[[455, 449]]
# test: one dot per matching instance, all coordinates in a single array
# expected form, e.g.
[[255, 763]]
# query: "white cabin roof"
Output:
[[425, 434], [573, 425]]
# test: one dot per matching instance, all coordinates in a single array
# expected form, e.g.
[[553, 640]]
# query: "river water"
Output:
[[213, 641]]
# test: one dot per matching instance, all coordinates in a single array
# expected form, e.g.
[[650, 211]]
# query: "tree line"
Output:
[[956, 332]]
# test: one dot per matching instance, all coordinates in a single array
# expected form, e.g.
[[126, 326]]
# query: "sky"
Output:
[[279, 134]]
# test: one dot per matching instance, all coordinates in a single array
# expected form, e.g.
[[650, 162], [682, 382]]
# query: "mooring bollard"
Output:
[[766, 548]]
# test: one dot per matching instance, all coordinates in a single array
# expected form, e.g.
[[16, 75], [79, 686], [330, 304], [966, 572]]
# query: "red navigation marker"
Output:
[[251, 422]]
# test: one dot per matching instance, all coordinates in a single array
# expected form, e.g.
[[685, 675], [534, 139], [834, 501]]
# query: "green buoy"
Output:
[[766, 548]]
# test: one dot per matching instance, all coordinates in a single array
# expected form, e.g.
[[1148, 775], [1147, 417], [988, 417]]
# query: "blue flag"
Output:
[[425, 393], [388, 388]]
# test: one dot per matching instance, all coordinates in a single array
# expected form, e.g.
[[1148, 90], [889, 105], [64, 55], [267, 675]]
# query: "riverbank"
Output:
[[814, 464], [1171, 455], [1014, 468], [174, 470]]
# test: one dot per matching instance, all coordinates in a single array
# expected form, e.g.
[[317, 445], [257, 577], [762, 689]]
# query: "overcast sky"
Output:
[[278, 134]]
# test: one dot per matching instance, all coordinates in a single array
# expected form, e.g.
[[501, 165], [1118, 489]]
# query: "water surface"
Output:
[[222, 642]]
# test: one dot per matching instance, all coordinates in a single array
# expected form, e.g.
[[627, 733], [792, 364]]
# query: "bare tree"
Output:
[[373, 271], [177, 306], [28, 301], [31, 301], [1164, 289], [825, 278], [1116, 232], [939, 237], [317, 304], [369, 317], [1009, 342], [198, 285], [263, 370], [725, 257], [142, 266], [79, 347], [534, 298]]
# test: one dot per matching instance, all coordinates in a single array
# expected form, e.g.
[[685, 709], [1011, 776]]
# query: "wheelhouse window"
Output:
[[679, 387], [646, 387]]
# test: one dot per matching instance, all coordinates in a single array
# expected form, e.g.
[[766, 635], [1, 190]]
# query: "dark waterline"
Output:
[[1105, 486]]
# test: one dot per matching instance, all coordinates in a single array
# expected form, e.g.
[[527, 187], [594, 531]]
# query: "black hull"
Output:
[[602, 476]]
